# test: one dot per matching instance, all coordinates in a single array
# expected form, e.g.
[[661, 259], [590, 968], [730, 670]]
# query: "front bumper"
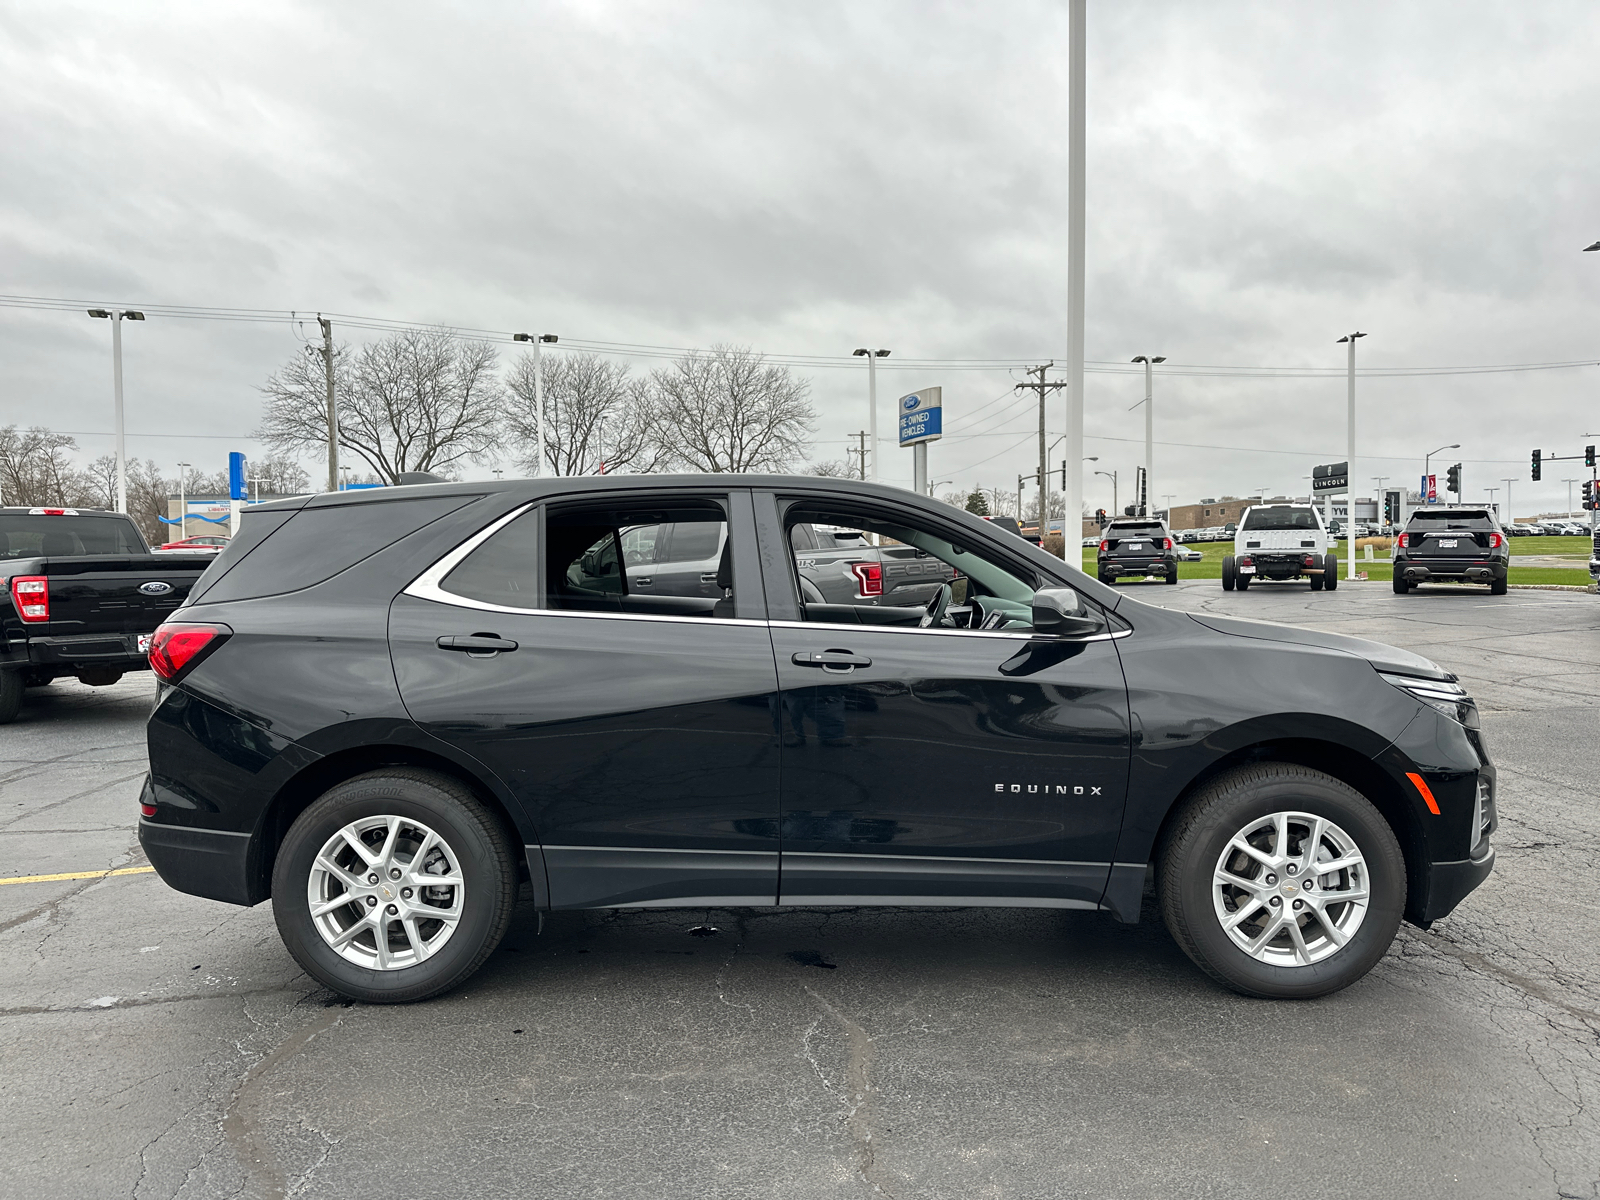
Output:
[[1450, 882]]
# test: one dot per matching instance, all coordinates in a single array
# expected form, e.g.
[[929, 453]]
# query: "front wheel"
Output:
[[1230, 573], [1281, 882], [394, 886], [1330, 572]]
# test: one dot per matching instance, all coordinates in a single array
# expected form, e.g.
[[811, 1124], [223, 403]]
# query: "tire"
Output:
[[1230, 573], [1244, 802], [1497, 588], [11, 687], [1316, 582], [471, 847], [1172, 572], [1401, 587], [1330, 572], [1244, 582]]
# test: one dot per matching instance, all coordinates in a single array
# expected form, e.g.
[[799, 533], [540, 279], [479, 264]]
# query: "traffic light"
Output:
[[1591, 496], [1588, 456], [1535, 467], [1390, 516], [1453, 479], [1100, 516]]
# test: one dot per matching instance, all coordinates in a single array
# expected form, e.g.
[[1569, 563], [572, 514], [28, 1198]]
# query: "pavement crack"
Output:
[[856, 1093]]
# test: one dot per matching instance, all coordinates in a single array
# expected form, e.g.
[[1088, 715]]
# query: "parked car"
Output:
[[386, 711], [1522, 530], [1136, 546], [206, 544], [84, 598], [1281, 542], [1464, 545], [1184, 554]]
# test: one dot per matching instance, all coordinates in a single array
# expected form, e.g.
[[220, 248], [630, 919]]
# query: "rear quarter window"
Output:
[[315, 544]]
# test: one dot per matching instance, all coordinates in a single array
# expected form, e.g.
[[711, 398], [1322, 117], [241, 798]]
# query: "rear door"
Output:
[[637, 730]]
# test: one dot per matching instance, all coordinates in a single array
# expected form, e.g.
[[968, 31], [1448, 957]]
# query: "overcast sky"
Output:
[[805, 179]]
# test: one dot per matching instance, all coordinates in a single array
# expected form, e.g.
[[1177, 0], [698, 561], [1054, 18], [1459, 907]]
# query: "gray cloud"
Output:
[[1262, 178]]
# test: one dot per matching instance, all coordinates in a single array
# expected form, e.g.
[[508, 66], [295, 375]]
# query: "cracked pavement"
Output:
[[157, 1045]]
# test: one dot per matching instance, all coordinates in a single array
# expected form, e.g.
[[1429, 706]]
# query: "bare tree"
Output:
[[593, 413], [279, 475], [36, 467], [418, 400], [833, 468], [729, 411]]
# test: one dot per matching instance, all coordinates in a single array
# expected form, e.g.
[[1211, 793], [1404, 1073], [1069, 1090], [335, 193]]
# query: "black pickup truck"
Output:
[[83, 596]]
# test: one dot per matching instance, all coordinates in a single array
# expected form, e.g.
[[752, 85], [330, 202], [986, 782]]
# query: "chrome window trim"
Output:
[[984, 633]]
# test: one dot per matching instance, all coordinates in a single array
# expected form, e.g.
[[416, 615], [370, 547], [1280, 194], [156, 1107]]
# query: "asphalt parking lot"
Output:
[[157, 1045]]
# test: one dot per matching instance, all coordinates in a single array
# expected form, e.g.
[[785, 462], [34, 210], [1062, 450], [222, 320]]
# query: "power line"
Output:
[[813, 361]]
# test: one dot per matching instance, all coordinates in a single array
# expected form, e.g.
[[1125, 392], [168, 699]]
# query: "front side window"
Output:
[[886, 572]]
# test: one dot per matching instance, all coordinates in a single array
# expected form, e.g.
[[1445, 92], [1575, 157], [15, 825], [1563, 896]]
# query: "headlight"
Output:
[[1449, 698]]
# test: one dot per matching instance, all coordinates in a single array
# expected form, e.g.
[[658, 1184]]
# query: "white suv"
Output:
[[1281, 541]]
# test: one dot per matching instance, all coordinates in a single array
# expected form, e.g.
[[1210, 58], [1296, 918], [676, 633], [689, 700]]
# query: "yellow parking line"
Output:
[[76, 875]]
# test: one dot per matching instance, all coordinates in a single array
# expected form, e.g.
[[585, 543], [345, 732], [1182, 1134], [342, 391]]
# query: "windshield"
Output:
[[1284, 517], [23, 535]]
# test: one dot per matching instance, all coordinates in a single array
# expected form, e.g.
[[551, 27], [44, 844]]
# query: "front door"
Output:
[[954, 757], [634, 729]]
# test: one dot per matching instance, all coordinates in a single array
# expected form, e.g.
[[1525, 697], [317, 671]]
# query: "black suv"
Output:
[[1465, 545], [1135, 546], [387, 711]]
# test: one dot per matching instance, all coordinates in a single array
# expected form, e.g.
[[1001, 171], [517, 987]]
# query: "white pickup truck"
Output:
[[1281, 541]]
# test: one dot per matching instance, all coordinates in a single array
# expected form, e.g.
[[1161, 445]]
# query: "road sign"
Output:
[[1429, 489], [238, 484], [921, 416], [1330, 477]]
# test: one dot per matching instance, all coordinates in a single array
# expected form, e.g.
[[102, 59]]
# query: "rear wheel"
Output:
[[1330, 572], [1244, 582], [1401, 587], [11, 686], [1497, 588], [1172, 572], [1316, 582], [1230, 573], [394, 886], [1282, 882]]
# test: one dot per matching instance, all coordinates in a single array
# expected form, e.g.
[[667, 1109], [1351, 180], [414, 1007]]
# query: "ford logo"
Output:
[[910, 402], [155, 588]]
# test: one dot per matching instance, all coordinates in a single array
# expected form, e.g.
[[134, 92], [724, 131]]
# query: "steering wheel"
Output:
[[937, 603]]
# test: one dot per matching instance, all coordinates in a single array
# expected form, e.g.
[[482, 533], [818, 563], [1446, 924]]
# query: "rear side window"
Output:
[[315, 544], [254, 528]]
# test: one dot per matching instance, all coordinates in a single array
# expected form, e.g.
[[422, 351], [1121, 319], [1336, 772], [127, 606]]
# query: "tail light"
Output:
[[1104, 546], [32, 596], [1247, 561], [1405, 541], [869, 578], [1166, 544], [1311, 561], [1495, 541], [177, 647]]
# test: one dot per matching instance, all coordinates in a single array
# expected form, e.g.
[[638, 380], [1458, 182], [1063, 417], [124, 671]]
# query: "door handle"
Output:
[[645, 582], [475, 643], [830, 658], [709, 577]]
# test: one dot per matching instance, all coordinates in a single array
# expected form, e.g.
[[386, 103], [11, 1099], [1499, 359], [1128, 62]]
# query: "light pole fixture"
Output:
[[941, 483], [1350, 459], [1149, 421], [543, 339], [872, 357], [1112, 475], [117, 316], [1596, 246]]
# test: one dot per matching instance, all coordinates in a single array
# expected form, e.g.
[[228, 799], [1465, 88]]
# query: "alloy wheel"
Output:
[[386, 892], [1291, 889]]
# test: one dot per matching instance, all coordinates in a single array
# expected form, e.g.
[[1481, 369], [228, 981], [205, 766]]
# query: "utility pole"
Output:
[[183, 501], [1044, 389], [1149, 420], [116, 317], [1077, 23], [333, 414], [860, 452], [542, 339]]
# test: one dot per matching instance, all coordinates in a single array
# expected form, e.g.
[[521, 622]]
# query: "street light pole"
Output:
[[1112, 475], [1350, 461], [538, 395], [1077, 29], [1569, 483], [183, 501], [872, 357], [116, 317], [1149, 422], [1491, 492], [1426, 457], [1510, 516]]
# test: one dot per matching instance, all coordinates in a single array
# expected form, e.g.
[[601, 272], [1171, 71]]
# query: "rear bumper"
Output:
[[79, 650], [202, 862], [1138, 566], [1473, 570]]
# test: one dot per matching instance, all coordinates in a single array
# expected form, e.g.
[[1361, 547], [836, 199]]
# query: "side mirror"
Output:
[[1061, 612]]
